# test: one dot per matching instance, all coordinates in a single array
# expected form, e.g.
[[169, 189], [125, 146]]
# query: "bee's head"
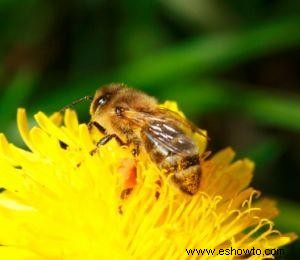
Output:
[[104, 97]]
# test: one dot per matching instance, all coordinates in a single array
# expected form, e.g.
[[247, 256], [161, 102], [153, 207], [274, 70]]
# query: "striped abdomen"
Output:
[[176, 153]]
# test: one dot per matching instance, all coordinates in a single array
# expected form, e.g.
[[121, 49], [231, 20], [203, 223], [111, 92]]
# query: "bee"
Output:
[[134, 118]]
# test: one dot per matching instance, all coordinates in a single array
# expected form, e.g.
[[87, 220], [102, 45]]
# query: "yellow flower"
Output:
[[62, 202]]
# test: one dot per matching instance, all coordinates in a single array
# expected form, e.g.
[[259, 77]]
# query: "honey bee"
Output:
[[134, 118]]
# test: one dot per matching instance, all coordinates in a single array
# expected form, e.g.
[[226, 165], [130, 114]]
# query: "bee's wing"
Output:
[[166, 115], [182, 122], [162, 128]]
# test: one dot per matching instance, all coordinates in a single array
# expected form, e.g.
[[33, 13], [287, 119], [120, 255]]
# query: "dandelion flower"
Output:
[[62, 202]]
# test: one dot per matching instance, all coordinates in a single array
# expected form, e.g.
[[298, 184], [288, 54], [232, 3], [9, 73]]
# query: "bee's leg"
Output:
[[105, 140], [97, 125], [205, 155], [136, 150]]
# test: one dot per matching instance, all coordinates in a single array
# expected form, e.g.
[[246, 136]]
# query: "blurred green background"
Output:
[[233, 67]]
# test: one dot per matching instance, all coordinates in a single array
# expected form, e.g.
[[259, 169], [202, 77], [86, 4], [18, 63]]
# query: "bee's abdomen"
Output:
[[184, 163], [189, 179], [187, 172], [186, 169]]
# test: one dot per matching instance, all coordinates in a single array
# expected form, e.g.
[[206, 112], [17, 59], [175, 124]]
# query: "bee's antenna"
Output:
[[79, 100]]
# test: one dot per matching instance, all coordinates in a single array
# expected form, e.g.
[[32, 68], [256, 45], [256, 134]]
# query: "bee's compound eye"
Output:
[[103, 100]]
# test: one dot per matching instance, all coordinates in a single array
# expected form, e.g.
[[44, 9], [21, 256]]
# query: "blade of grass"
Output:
[[274, 110], [213, 53], [207, 54], [213, 96]]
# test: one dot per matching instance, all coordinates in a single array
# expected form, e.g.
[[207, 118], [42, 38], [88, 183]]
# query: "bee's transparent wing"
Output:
[[165, 131], [181, 122], [170, 138], [167, 116]]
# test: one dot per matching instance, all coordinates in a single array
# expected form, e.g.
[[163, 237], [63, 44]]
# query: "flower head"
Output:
[[63, 202]]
